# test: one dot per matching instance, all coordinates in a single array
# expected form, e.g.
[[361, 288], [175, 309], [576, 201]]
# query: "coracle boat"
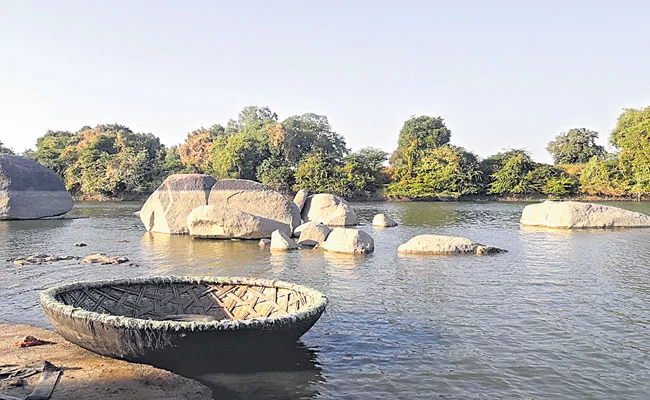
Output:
[[167, 318]]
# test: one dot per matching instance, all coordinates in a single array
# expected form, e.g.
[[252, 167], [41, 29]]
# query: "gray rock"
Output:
[[30, 191], [301, 227], [330, 210], [300, 198], [214, 222], [264, 243], [350, 241], [167, 208], [255, 199], [445, 245], [576, 215], [280, 241], [382, 221], [314, 235]]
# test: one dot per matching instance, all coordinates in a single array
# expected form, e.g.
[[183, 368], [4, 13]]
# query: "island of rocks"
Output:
[[202, 207]]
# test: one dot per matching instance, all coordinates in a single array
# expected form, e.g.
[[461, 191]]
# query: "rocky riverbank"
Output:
[[87, 375]]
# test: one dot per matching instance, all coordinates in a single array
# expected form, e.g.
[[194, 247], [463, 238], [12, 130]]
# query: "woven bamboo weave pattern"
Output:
[[158, 301]]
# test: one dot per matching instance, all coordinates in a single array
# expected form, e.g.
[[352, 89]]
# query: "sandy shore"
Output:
[[87, 375]]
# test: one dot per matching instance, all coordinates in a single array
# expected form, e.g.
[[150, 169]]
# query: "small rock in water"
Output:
[[282, 242], [80, 244], [264, 242], [382, 221]]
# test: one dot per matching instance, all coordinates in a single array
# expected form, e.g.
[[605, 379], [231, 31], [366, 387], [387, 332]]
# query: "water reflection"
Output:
[[275, 372], [171, 251]]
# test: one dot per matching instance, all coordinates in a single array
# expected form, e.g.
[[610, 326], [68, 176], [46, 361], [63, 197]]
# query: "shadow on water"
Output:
[[282, 371]]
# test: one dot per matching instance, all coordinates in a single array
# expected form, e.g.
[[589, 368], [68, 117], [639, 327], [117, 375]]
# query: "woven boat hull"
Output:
[[128, 319]]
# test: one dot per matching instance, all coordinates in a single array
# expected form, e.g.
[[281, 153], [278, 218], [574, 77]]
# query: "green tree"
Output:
[[317, 173], [196, 151], [51, 150], [5, 150], [444, 171], [276, 174], [577, 146], [310, 133], [509, 178], [632, 137], [418, 135], [601, 177], [240, 155]]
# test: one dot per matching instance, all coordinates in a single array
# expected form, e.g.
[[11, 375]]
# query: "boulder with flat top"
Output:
[[256, 199], [445, 245], [30, 191], [577, 215], [167, 208], [214, 222]]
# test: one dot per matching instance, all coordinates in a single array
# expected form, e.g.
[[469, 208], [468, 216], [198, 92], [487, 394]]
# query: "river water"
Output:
[[561, 315]]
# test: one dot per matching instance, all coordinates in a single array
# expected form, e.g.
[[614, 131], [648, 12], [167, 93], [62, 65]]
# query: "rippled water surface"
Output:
[[561, 315]]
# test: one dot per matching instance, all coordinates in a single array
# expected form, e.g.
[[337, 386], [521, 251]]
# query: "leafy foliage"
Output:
[[443, 171], [577, 146], [632, 137], [418, 135]]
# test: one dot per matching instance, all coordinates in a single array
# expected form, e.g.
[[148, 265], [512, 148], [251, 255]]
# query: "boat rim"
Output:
[[49, 302]]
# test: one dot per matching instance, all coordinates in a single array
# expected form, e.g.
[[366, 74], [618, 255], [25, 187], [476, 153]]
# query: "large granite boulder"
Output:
[[445, 245], [255, 199], [167, 208], [214, 222], [576, 215], [351, 241], [30, 191], [314, 235], [330, 210]]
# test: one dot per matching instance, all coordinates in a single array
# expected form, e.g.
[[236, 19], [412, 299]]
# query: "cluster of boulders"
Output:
[[30, 191], [202, 207]]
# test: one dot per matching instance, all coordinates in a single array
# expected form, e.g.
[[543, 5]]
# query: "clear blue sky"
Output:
[[502, 74]]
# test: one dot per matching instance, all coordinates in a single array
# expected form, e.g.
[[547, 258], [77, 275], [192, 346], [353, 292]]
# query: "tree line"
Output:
[[304, 152]]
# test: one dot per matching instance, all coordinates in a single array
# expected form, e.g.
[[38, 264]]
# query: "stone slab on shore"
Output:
[[87, 375]]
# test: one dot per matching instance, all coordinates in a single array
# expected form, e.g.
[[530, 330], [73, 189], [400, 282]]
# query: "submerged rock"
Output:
[[351, 241], [314, 235], [382, 221], [330, 210], [30, 191], [576, 215], [39, 259], [282, 242], [255, 199], [101, 258], [445, 245], [167, 208], [215, 222]]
